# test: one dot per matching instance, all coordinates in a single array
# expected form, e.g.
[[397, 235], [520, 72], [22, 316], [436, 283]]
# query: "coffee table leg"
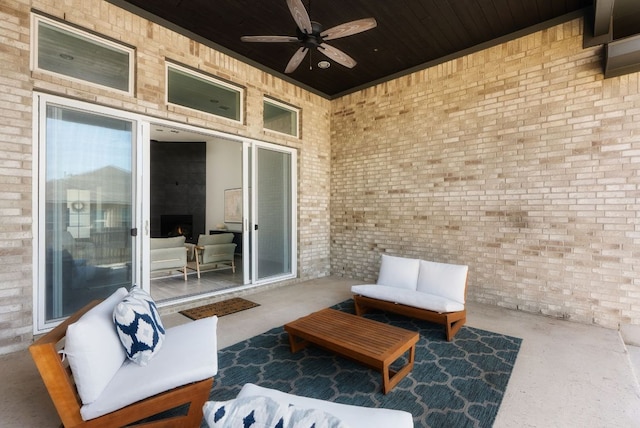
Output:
[[391, 378], [295, 344]]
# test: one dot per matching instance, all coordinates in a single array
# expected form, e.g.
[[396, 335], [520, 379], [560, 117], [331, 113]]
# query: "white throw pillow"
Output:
[[265, 412], [139, 326], [443, 279], [93, 348], [256, 412], [399, 272], [311, 418]]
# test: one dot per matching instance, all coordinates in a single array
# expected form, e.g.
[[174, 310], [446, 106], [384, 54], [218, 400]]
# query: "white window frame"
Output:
[[209, 78], [129, 51], [284, 106]]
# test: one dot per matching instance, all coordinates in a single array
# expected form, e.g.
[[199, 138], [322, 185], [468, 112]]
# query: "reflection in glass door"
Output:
[[85, 208], [272, 215]]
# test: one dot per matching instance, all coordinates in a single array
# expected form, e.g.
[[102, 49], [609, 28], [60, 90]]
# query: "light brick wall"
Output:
[[519, 160], [15, 179], [153, 45]]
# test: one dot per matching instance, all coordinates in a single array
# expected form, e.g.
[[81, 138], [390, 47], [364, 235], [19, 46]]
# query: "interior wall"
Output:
[[224, 171], [178, 187], [520, 161]]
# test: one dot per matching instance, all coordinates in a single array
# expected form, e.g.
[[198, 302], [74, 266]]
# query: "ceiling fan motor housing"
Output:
[[312, 40]]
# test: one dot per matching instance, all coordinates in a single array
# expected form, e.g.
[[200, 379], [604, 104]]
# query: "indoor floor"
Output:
[[169, 287], [566, 374]]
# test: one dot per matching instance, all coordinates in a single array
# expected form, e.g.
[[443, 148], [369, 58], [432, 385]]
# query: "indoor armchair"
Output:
[[215, 252], [167, 254]]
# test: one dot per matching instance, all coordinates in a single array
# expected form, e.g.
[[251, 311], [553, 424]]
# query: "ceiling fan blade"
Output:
[[337, 55], [269, 39], [349, 28], [296, 59], [300, 15]]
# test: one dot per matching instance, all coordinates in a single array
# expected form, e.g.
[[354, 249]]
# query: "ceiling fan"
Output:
[[311, 35]]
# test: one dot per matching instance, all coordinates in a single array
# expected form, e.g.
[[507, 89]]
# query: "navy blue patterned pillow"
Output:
[[264, 412], [139, 326], [245, 412]]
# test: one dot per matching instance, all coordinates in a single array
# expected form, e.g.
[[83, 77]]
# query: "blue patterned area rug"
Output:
[[453, 384]]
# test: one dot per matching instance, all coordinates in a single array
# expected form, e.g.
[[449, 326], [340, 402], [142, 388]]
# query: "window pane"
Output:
[[280, 119], [72, 55], [88, 203], [189, 90]]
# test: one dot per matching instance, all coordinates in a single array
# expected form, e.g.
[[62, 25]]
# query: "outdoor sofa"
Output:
[[426, 290]]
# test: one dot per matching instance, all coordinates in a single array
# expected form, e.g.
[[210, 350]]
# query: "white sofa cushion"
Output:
[[399, 272], [139, 326], [93, 348], [443, 279], [167, 258], [189, 354], [353, 416], [413, 298]]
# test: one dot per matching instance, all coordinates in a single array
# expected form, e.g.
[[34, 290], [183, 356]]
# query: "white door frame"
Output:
[[250, 208]]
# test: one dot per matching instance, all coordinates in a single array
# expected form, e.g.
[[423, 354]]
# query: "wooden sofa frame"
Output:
[[452, 321], [59, 382]]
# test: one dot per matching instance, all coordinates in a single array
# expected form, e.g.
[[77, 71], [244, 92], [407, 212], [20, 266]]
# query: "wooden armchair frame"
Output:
[[59, 382], [223, 263]]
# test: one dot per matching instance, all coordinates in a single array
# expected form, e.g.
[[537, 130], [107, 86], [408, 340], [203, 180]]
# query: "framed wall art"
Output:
[[233, 206]]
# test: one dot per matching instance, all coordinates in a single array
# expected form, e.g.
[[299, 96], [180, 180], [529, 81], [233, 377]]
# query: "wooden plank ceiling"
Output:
[[410, 33]]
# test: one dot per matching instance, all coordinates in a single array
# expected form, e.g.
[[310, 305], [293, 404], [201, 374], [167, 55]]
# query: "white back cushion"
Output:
[[93, 348], [157, 243], [399, 272], [443, 279], [217, 238]]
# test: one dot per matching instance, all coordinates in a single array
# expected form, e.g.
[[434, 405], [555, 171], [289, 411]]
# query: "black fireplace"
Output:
[[177, 225]]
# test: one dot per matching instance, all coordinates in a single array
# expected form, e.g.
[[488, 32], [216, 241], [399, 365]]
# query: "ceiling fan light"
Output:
[[324, 64]]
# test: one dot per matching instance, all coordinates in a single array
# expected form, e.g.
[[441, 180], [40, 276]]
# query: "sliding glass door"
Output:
[[271, 204], [92, 230], [85, 206]]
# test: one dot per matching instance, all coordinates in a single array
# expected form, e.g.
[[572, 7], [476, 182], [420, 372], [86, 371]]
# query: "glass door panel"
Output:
[[86, 208], [273, 214]]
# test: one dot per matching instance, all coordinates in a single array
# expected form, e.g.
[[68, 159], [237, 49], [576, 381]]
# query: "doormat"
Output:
[[220, 309]]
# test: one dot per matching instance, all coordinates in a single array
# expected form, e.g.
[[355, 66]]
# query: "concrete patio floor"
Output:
[[566, 374]]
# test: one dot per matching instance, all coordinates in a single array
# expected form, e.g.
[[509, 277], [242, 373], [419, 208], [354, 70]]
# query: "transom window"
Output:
[[64, 50], [197, 91], [280, 117]]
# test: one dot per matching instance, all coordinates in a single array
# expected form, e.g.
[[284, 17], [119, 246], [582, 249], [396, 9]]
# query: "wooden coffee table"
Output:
[[369, 342]]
